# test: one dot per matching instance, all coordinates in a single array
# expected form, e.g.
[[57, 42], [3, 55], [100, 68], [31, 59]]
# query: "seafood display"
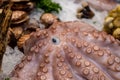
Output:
[[69, 51], [57, 40]]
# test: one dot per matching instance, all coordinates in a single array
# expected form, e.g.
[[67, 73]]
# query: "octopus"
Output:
[[102, 5], [70, 50]]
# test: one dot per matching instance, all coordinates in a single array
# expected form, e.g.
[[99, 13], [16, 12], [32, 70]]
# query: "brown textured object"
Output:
[[22, 40], [48, 19], [19, 17], [5, 19], [19, 0], [24, 6], [12, 41], [85, 11], [31, 26], [116, 22], [116, 33], [69, 51], [17, 31]]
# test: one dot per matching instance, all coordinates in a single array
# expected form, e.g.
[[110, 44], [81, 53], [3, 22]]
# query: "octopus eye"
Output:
[[55, 40]]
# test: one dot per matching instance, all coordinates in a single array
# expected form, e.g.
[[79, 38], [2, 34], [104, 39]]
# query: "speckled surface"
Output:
[[12, 57], [70, 50]]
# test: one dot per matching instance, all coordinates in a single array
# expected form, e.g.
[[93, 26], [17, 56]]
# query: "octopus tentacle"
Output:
[[35, 37], [45, 68], [69, 51], [84, 67], [29, 65], [27, 70], [102, 56], [102, 4], [102, 39], [61, 70]]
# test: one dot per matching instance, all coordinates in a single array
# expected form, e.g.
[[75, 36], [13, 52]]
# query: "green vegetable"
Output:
[[48, 5], [7, 78]]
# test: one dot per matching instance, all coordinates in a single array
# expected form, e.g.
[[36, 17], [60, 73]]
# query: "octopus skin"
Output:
[[69, 51], [101, 5]]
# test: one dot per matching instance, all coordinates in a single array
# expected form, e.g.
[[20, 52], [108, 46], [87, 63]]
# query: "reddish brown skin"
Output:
[[69, 51], [101, 5]]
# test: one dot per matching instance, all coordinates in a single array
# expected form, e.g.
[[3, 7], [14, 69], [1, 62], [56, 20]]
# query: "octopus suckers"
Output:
[[100, 53], [79, 45], [38, 34], [102, 77], [89, 50], [36, 50], [86, 71], [110, 61], [117, 60], [85, 33], [62, 59], [72, 55], [95, 34], [68, 30], [23, 58], [96, 48], [94, 78], [69, 50], [87, 63], [43, 77], [32, 49], [58, 55], [21, 65], [45, 69], [42, 65], [40, 44], [78, 63], [112, 38], [62, 72], [76, 30], [46, 55], [85, 43], [79, 57], [117, 68], [73, 40], [29, 58], [69, 75], [60, 64], [65, 47], [47, 60], [95, 70], [44, 32]]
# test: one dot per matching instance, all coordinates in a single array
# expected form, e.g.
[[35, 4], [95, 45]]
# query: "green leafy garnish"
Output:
[[7, 78], [48, 5]]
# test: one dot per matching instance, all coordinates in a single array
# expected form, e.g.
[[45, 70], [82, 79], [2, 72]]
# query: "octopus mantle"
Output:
[[69, 51]]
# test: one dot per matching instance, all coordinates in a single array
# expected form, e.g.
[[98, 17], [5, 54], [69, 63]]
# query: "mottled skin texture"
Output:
[[103, 4], [69, 51]]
